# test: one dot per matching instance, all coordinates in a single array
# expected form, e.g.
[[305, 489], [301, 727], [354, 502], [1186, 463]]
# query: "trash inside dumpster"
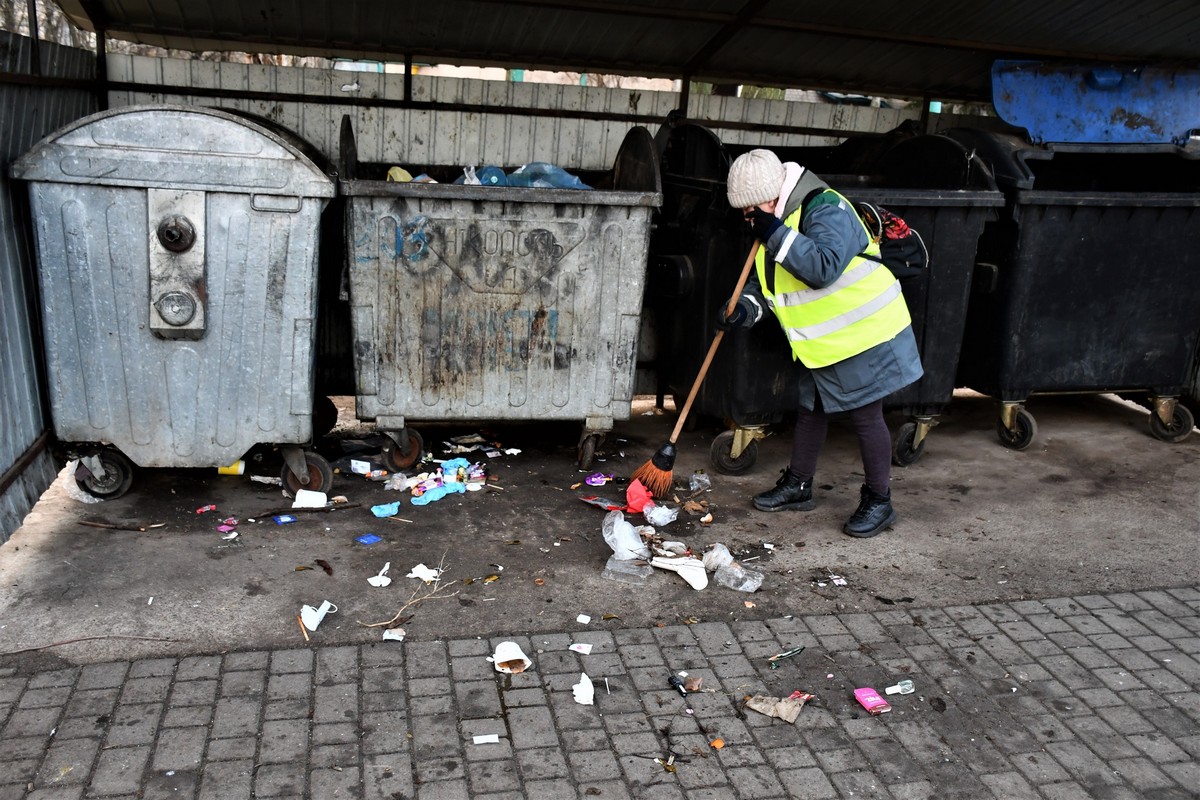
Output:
[[177, 255], [933, 182], [473, 302]]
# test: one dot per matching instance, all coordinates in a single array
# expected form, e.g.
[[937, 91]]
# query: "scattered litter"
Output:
[[224, 528], [637, 496], [903, 687], [597, 479], [775, 659], [230, 536], [509, 659], [487, 738], [539, 581], [386, 509], [584, 691], [627, 570], [785, 708], [424, 573], [749, 603], [267, 480], [311, 617], [301, 568], [368, 538], [583, 619], [586, 649], [668, 764], [325, 565], [381, 579], [768, 546], [690, 569], [869, 699], [693, 683], [717, 744], [150, 602], [659, 515], [623, 538], [734, 576], [306, 498], [837, 580], [602, 502], [205, 509], [700, 482], [677, 683], [607, 617], [695, 508], [393, 635], [716, 557], [283, 519]]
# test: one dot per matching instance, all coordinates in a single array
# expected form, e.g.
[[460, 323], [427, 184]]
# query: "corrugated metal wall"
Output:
[[407, 137], [26, 115]]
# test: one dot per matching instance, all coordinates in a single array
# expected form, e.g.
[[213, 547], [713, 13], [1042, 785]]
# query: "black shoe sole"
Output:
[[807, 505], [867, 534]]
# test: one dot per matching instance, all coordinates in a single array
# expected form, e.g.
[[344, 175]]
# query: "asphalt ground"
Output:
[[1095, 504]]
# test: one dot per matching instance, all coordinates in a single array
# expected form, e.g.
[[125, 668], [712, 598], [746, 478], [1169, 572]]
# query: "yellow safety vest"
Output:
[[862, 308]]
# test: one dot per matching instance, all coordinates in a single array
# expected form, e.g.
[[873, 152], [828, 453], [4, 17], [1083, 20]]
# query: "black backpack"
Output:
[[901, 248]]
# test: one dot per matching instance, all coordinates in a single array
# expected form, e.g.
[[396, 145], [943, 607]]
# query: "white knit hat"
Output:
[[754, 178]]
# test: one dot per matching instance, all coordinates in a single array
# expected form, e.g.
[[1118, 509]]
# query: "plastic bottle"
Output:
[[734, 576], [491, 176]]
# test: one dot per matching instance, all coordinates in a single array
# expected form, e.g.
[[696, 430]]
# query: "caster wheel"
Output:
[[320, 475], [1022, 434], [398, 461], [587, 451], [1180, 428], [118, 476], [903, 453], [722, 459]]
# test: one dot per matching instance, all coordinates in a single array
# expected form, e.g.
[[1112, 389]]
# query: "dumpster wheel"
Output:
[[904, 452], [398, 461], [586, 456], [1021, 434], [320, 475], [118, 476], [1180, 428], [721, 454]]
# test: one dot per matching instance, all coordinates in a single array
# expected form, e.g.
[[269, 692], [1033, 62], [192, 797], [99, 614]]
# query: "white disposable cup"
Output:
[[509, 658], [311, 617]]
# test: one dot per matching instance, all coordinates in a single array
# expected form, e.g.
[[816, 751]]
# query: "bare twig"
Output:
[[435, 592], [115, 527], [89, 639]]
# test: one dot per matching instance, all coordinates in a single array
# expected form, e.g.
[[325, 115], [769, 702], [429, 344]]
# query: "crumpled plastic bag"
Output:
[[658, 515], [636, 497], [438, 492], [716, 557], [623, 538]]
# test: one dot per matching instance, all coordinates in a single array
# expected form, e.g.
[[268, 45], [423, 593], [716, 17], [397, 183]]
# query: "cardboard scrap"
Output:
[[784, 708]]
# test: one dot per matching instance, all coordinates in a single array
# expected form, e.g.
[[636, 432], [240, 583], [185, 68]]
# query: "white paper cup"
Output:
[[509, 658], [311, 617]]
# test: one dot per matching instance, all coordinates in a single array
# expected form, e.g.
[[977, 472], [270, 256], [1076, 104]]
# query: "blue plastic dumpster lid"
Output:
[[1098, 104]]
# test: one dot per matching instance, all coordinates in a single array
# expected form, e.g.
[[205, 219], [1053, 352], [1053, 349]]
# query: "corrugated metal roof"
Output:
[[921, 47]]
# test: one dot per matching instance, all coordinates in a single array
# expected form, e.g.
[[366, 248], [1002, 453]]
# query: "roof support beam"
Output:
[[718, 40]]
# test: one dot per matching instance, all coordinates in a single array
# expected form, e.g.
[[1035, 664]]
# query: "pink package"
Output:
[[870, 699]]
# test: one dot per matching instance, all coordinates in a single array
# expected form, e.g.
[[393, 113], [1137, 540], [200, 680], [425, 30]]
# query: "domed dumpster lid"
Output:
[[180, 147]]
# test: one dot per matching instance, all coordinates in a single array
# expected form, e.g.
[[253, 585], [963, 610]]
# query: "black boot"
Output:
[[874, 513], [791, 493]]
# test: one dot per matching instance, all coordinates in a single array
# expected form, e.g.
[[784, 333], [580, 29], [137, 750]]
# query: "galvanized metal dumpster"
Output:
[[497, 303], [177, 252]]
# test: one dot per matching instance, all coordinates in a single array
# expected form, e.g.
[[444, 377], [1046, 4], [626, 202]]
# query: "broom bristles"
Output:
[[657, 481]]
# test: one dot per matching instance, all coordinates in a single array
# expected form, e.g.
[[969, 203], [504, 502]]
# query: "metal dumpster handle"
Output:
[[276, 202]]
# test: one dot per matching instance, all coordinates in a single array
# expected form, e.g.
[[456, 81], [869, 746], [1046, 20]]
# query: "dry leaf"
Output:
[[325, 565], [302, 567], [513, 541], [491, 579], [610, 616]]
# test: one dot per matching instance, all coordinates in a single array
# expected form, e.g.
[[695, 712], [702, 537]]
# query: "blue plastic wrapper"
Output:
[[386, 509], [283, 519], [368, 538]]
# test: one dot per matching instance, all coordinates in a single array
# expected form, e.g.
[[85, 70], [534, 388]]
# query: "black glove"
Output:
[[763, 224], [740, 318]]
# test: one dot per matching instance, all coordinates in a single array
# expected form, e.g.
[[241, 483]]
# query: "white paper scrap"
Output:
[[393, 635], [582, 648], [487, 738], [306, 498], [583, 619], [424, 573], [585, 693]]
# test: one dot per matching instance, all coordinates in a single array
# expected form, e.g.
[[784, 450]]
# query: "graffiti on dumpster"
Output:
[[412, 239], [461, 342], [505, 256]]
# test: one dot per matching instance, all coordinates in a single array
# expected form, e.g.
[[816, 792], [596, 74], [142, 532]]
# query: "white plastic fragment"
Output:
[[381, 579], [584, 691], [311, 617], [583, 619], [487, 738], [424, 573], [690, 569], [394, 635], [306, 498], [231, 535], [510, 659]]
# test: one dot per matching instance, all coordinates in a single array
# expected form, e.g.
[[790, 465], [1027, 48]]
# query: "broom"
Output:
[[656, 474]]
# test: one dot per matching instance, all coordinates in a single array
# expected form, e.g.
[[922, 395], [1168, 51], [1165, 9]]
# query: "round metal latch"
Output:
[[176, 233], [176, 308]]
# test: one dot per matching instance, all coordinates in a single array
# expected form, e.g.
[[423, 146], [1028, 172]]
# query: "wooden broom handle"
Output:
[[712, 348]]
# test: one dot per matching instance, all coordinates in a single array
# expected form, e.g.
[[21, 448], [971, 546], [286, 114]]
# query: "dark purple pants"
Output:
[[874, 443]]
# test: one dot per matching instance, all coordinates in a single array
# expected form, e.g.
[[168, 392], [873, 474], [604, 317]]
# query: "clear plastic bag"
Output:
[[734, 576], [658, 515], [716, 557], [623, 538]]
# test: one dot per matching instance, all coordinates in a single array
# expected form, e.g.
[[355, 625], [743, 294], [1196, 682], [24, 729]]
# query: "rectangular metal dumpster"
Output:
[[497, 303], [177, 252]]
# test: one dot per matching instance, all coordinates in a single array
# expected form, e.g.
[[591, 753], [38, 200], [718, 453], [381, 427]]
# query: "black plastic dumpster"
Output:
[[1088, 283], [700, 244]]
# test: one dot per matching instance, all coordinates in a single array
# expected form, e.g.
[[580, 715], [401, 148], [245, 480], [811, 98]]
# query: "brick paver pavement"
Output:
[[1094, 696]]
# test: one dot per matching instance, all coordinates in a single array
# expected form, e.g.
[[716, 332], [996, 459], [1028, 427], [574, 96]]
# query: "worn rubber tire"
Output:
[[116, 482], [320, 475], [1022, 436], [903, 452], [1180, 428], [722, 459], [397, 461]]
